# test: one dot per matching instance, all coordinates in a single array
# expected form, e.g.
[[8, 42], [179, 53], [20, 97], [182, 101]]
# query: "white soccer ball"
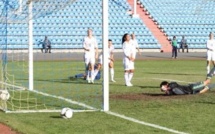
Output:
[[66, 113], [4, 95]]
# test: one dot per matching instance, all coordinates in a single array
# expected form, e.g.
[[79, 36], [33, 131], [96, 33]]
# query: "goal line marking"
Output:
[[65, 99], [144, 123]]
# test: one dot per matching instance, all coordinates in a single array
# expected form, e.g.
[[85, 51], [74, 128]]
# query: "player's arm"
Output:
[[84, 45], [96, 47], [204, 90], [138, 49], [209, 87], [111, 55]]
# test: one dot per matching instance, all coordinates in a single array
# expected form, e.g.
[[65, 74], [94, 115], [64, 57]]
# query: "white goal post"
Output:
[[105, 56]]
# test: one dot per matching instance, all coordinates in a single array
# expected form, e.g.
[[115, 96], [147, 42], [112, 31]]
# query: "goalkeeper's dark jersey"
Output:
[[176, 89]]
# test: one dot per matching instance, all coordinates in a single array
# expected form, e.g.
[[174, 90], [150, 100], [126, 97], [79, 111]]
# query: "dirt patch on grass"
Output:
[[4, 129]]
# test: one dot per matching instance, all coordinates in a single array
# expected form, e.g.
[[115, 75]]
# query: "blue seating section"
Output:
[[194, 19], [66, 28]]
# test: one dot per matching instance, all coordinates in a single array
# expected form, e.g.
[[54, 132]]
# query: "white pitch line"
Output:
[[145, 123], [65, 99], [46, 111], [19, 88]]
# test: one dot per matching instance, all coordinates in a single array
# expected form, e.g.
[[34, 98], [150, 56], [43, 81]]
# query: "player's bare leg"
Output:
[[89, 73], [208, 66], [92, 74], [111, 66], [127, 83], [87, 66], [130, 76]]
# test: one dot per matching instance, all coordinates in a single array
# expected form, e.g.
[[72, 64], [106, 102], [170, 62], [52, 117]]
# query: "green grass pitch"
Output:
[[144, 101]]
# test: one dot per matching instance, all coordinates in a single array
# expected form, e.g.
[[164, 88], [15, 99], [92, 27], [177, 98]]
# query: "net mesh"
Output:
[[52, 88]]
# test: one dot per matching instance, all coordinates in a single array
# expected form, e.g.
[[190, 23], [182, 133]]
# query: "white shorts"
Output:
[[89, 59], [128, 65], [131, 65], [210, 55]]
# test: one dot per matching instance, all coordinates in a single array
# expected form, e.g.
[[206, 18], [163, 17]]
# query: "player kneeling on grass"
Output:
[[173, 88]]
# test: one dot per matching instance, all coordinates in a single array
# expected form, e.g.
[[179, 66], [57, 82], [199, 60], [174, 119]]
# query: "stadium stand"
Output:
[[66, 28], [192, 18]]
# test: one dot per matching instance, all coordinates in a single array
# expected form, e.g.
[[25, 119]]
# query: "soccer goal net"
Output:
[[54, 83]]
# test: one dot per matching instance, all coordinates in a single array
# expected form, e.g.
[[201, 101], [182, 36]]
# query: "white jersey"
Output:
[[127, 49], [91, 44], [211, 45]]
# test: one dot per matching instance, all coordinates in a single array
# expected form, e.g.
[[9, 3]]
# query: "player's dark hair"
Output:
[[124, 37], [163, 83], [109, 40]]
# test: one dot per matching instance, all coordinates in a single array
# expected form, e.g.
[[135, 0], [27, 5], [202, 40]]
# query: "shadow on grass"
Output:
[[173, 73], [148, 87], [73, 81], [56, 117], [210, 103], [154, 94]]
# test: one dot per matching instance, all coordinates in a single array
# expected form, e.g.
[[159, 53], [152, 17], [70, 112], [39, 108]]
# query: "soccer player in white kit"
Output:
[[110, 61], [128, 60], [210, 51], [90, 54]]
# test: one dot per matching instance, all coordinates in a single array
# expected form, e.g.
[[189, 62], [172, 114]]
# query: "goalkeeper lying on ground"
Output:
[[174, 88]]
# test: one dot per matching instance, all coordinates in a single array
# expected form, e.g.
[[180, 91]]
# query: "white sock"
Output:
[[112, 73], [88, 75], [95, 73], [130, 75], [208, 69], [126, 77], [92, 74]]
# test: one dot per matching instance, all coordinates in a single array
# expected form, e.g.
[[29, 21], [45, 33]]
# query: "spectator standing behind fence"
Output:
[[174, 47], [183, 44], [46, 45]]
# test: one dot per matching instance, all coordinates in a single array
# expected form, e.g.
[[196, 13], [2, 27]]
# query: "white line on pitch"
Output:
[[65, 99], [145, 123]]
